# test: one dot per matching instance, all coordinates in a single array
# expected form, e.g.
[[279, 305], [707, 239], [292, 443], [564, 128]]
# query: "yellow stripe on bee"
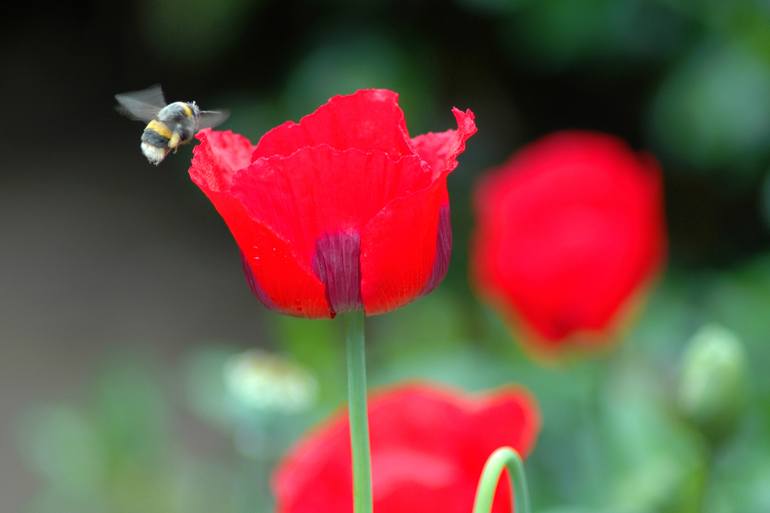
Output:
[[159, 127], [187, 110]]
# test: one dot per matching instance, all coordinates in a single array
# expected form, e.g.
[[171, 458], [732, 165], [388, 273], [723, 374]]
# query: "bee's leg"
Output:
[[173, 143]]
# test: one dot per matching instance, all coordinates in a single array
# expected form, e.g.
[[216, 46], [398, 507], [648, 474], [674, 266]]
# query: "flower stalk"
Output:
[[504, 457], [357, 411]]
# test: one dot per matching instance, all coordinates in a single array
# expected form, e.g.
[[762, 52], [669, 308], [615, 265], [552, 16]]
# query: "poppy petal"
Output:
[[319, 192], [570, 229], [218, 157], [272, 270], [428, 445], [443, 250], [509, 414], [368, 120], [406, 248], [441, 149], [399, 250], [254, 285]]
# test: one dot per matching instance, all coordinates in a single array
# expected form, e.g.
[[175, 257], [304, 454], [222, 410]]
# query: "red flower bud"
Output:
[[428, 445], [569, 231], [340, 211]]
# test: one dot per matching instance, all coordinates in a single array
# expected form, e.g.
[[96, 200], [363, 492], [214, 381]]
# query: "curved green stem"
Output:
[[504, 457], [359, 425]]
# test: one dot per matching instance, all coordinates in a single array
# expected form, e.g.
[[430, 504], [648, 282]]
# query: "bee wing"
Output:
[[141, 105], [211, 118]]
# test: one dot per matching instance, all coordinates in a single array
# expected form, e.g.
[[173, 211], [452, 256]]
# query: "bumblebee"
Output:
[[168, 125]]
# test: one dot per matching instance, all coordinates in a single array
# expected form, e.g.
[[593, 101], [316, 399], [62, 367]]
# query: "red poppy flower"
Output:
[[428, 446], [569, 230], [340, 211]]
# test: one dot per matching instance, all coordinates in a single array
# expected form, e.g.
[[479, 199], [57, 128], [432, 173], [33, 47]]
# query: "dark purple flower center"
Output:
[[336, 263]]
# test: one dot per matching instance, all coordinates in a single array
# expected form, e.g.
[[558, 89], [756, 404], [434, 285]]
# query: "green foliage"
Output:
[[711, 111], [566, 33], [194, 30], [340, 63]]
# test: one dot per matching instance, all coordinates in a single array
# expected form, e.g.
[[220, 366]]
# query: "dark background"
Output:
[[105, 259]]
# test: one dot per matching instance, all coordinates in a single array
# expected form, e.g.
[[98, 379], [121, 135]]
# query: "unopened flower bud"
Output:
[[712, 384]]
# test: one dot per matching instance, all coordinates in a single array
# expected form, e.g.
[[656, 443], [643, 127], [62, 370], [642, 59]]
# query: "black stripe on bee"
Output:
[[153, 138], [186, 133]]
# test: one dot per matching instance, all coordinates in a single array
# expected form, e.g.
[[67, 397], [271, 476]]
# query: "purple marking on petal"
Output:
[[254, 285], [443, 250], [337, 264]]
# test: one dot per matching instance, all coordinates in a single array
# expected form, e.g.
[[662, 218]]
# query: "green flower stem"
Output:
[[504, 457], [359, 424]]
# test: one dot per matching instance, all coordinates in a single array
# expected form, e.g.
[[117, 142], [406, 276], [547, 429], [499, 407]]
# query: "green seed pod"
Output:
[[712, 387]]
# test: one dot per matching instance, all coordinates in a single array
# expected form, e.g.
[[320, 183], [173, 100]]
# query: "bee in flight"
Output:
[[168, 125]]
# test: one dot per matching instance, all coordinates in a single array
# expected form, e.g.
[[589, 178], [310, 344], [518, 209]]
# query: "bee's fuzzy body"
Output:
[[175, 124], [168, 125]]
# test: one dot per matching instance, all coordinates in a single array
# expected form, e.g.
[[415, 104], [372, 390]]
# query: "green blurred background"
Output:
[[126, 380]]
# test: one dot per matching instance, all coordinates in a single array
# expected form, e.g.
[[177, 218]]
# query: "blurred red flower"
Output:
[[340, 211], [569, 231], [429, 446]]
